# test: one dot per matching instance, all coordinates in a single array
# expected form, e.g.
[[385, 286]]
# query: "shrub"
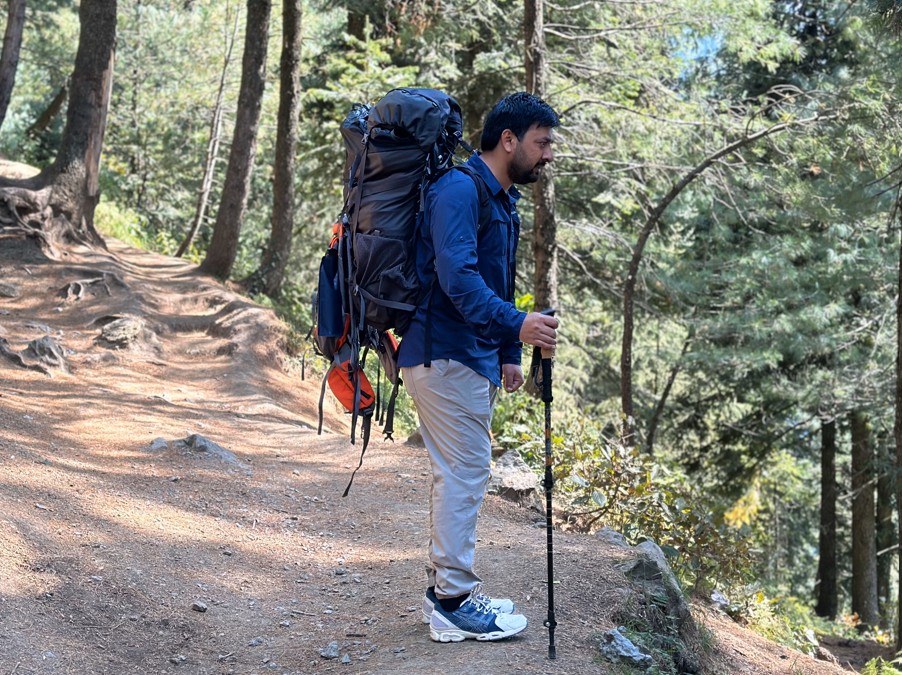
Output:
[[880, 667], [605, 484], [122, 223]]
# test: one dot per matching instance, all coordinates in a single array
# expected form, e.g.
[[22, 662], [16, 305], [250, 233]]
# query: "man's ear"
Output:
[[508, 140]]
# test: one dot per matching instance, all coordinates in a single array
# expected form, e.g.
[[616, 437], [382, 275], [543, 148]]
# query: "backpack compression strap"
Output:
[[365, 431]]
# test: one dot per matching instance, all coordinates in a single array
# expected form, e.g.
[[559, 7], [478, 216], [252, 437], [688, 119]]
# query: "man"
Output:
[[463, 343]]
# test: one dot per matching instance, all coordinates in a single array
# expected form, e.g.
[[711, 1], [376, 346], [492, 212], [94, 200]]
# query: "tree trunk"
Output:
[[77, 164], [864, 543], [544, 241], [357, 24], [57, 206], [9, 59], [212, 154], [45, 119], [233, 205], [268, 278], [886, 535], [897, 424], [827, 604], [480, 97], [662, 401]]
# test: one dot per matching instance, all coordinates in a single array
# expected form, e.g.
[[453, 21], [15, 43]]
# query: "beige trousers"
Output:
[[454, 405]]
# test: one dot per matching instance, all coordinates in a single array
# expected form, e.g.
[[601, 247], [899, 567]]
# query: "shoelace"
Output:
[[481, 601]]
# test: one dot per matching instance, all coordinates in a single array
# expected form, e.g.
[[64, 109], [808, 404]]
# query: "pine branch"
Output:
[[626, 357]]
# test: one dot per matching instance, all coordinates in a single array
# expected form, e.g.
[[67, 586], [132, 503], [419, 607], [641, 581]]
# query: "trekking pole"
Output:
[[548, 482]]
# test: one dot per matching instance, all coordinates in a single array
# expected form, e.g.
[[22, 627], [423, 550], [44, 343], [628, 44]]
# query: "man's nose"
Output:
[[548, 155]]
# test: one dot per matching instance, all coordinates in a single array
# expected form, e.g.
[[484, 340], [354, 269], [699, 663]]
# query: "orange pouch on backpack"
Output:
[[342, 385]]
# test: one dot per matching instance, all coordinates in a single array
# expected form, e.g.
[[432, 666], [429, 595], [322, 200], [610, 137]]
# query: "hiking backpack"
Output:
[[368, 284]]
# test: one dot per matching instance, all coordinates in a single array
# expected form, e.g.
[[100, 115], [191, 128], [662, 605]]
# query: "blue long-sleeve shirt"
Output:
[[472, 313]]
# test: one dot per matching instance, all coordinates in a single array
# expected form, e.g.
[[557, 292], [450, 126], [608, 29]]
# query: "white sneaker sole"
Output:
[[457, 635]]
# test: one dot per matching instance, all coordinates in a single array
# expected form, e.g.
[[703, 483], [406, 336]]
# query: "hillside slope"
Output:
[[123, 550]]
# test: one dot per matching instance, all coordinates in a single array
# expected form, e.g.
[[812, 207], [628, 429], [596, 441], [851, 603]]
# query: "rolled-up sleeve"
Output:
[[453, 215]]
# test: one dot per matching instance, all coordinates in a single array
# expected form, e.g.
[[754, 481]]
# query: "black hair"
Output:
[[518, 112]]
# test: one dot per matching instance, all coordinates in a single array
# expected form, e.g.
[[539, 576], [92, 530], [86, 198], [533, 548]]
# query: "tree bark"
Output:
[[268, 278], [886, 535], [897, 424], [827, 603], [232, 207], [75, 173], [544, 241], [45, 119], [9, 59], [864, 542], [475, 107], [57, 206], [357, 24]]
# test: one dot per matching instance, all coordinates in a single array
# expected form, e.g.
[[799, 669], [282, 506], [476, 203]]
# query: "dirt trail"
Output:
[[122, 551]]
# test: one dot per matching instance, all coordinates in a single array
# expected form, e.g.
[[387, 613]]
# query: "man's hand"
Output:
[[539, 330], [512, 376]]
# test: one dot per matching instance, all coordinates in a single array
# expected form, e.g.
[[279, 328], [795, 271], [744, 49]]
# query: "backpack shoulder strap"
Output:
[[485, 206], [485, 217]]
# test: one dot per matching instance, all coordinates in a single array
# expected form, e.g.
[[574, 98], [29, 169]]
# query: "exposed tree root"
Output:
[[17, 358], [49, 211], [75, 290], [27, 211], [47, 351]]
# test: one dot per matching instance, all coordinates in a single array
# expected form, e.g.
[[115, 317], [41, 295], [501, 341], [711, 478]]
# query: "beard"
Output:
[[522, 171]]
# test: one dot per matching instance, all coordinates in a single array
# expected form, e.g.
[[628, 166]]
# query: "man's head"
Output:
[[517, 137]]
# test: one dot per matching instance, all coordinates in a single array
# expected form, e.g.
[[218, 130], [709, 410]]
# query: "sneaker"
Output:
[[498, 604], [473, 619]]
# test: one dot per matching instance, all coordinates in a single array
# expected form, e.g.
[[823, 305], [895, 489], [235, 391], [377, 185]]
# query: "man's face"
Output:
[[531, 155]]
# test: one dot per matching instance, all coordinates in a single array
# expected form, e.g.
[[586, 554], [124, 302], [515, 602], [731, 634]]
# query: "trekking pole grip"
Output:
[[546, 376], [547, 355]]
